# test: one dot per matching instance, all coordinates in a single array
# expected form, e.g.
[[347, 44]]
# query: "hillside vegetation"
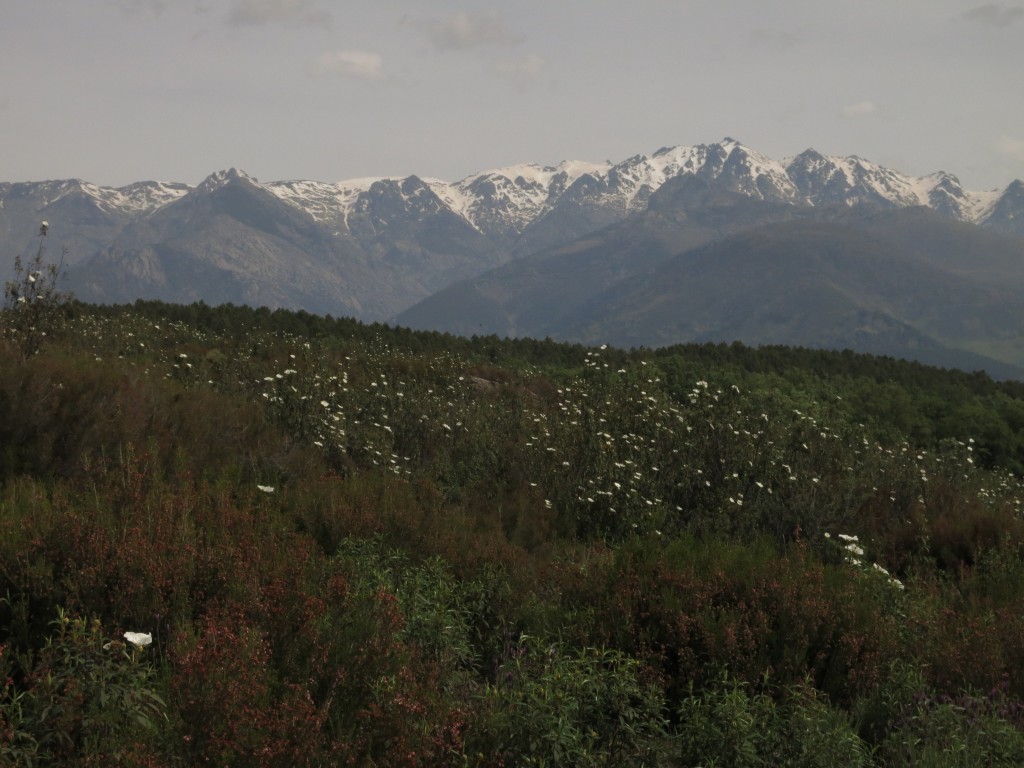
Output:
[[358, 545]]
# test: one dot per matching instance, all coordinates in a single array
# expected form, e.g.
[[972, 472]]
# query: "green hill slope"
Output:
[[332, 543]]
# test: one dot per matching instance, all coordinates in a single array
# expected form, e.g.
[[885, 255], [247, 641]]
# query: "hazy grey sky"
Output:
[[115, 91]]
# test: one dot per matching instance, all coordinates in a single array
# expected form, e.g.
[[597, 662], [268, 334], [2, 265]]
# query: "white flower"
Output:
[[140, 639], [266, 488]]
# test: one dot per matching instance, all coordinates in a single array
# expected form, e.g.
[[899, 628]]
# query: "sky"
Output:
[[118, 91]]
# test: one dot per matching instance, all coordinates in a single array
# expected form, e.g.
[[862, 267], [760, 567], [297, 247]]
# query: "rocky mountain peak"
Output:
[[219, 179]]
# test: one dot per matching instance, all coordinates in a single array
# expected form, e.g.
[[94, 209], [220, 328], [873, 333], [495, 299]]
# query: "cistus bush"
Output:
[[33, 309], [81, 699]]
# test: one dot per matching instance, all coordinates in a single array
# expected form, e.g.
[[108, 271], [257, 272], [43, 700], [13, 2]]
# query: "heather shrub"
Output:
[[224, 691], [695, 605]]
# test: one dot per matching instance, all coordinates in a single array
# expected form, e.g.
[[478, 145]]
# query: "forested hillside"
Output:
[[349, 544]]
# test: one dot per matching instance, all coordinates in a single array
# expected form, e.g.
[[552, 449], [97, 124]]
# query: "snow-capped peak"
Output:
[[218, 179], [850, 180], [504, 201]]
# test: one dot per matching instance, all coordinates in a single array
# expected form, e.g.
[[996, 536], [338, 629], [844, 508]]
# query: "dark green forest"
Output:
[[351, 544]]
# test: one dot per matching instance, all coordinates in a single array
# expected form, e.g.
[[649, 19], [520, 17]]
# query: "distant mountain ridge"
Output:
[[531, 249], [508, 200]]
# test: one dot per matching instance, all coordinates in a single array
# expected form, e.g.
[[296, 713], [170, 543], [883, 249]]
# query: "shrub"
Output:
[[733, 725], [33, 307], [555, 705], [961, 732], [80, 697]]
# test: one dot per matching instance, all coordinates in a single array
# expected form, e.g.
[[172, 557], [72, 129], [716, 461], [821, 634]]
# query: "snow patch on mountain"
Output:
[[142, 197], [324, 201], [503, 202]]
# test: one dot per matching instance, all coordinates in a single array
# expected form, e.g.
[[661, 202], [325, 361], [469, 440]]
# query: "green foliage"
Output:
[[79, 698], [733, 725], [553, 705], [362, 545], [954, 734], [914, 725]]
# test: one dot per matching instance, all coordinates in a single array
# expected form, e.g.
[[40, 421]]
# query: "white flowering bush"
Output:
[[33, 307], [78, 695]]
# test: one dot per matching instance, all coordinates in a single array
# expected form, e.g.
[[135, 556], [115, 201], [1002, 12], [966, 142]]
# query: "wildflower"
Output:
[[138, 639], [266, 488]]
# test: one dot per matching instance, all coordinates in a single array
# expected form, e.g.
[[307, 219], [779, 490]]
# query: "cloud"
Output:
[[778, 39], [1009, 146], [132, 6], [363, 65], [522, 70], [860, 109], [462, 31], [246, 13], [995, 14], [143, 6]]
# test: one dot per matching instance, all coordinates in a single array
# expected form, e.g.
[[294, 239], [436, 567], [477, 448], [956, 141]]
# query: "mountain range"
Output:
[[707, 242]]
